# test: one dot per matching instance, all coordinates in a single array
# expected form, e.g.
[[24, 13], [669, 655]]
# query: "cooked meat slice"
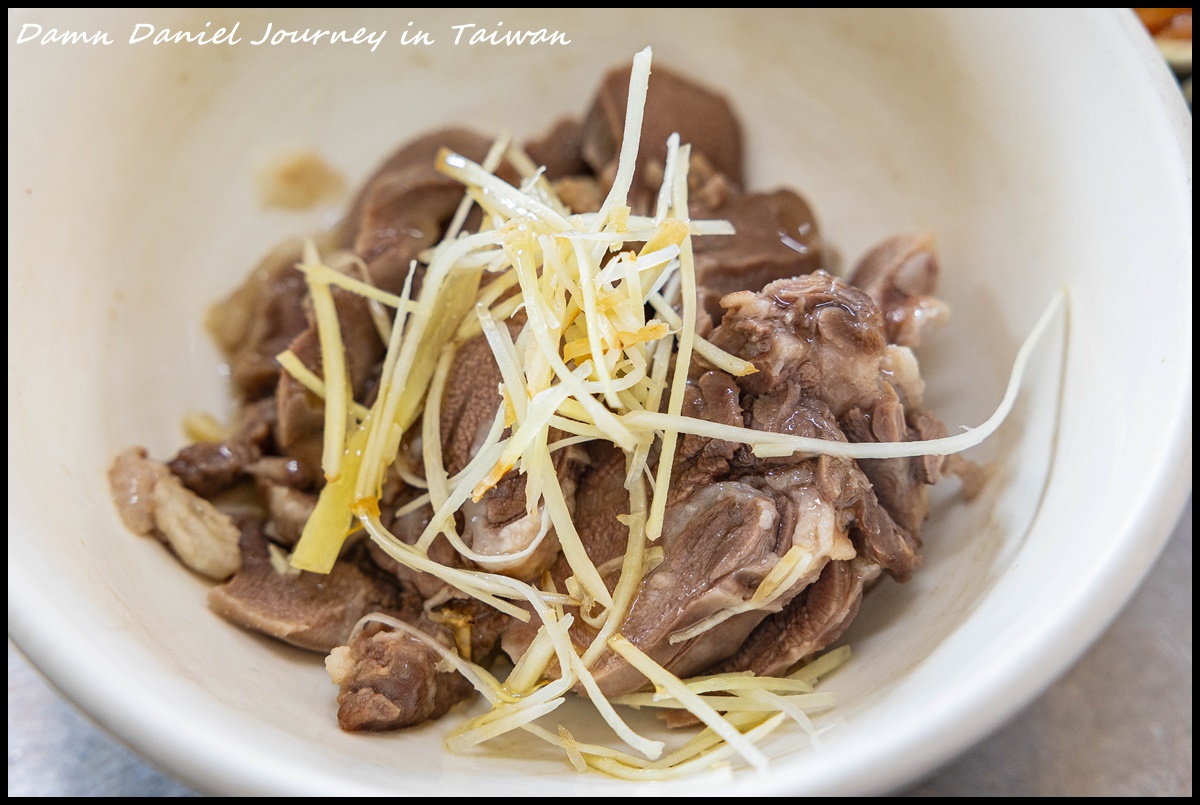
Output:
[[390, 679], [874, 532], [288, 509], [900, 274], [152, 501], [901, 484], [673, 104], [718, 545], [699, 460], [309, 610], [560, 151], [258, 321], [499, 523], [813, 620], [301, 415], [209, 469], [284, 471], [815, 331], [406, 204], [471, 401], [204, 539], [776, 238], [132, 478]]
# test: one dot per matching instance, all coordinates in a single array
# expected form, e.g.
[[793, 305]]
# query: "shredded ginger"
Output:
[[588, 364]]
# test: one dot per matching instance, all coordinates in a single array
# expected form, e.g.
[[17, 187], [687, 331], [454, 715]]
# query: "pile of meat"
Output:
[[833, 362]]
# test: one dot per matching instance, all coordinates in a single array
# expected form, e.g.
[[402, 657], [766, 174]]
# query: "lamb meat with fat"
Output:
[[828, 339]]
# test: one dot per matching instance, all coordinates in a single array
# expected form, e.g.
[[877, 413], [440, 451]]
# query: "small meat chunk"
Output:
[[390, 679], [204, 539], [406, 204], [258, 321], [209, 469], [673, 104], [901, 274], [775, 237]]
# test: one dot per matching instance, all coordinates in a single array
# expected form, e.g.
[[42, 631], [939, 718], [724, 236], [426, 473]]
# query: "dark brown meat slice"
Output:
[[406, 204], [301, 415], [390, 680], [560, 151], [713, 397], [208, 469], [499, 522], [900, 274], [471, 400], [673, 104], [258, 321], [776, 238], [308, 610]]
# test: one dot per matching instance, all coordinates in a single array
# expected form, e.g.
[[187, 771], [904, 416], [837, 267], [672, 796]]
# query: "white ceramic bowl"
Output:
[[1042, 149]]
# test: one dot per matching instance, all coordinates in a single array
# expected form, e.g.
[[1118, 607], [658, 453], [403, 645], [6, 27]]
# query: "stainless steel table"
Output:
[[1118, 723]]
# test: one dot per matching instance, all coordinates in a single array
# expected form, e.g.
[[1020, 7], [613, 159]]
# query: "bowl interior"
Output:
[[1039, 151]]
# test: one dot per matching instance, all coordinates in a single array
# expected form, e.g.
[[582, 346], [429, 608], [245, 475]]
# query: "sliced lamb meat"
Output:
[[560, 151], [209, 469], [308, 610], [390, 679], [673, 104], [813, 620], [404, 207], [900, 274], [730, 520], [499, 522], [301, 415], [775, 238], [258, 321], [901, 484]]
